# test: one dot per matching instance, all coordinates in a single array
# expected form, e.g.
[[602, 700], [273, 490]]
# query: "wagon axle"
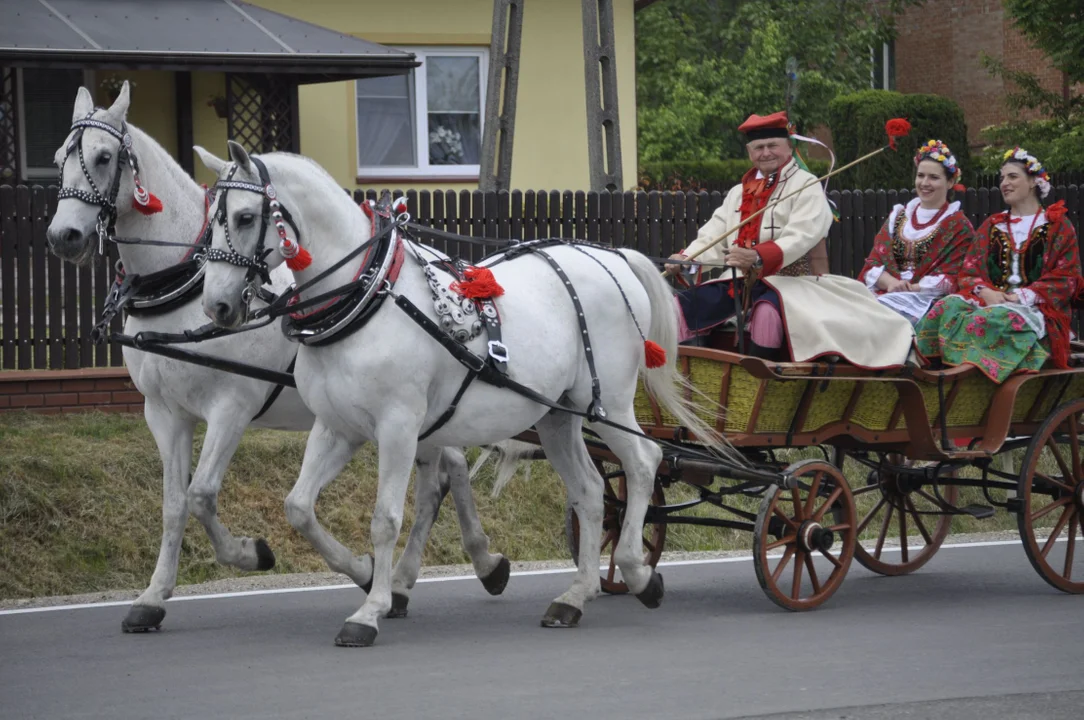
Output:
[[814, 536]]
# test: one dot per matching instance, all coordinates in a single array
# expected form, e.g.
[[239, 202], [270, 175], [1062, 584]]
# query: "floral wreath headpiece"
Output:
[[939, 152], [1031, 165]]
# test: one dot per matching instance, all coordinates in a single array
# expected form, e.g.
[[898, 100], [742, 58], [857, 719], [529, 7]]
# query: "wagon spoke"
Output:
[[1070, 547], [829, 502], [1053, 445], [812, 499], [841, 527], [1074, 445], [785, 540], [787, 554], [796, 498], [1053, 483], [611, 572], [1050, 508], [929, 497], [865, 521], [865, 489], [649, 545], [832, 558], [610, 537], [812, 573], [796, 588], [903, 535], [1057, 531], [918, 520], [884, 532], [782, 515]]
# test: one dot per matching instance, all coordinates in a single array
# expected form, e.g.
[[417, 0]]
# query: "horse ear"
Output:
[[212, 162], [84, 104], [119, 108], [239, 155]]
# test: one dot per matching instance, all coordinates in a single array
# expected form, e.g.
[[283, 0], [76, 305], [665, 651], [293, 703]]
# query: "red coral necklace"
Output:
[[932, 221]]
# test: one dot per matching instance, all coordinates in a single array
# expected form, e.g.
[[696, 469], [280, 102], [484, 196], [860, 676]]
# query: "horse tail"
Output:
[[665, 383], [510, 455]]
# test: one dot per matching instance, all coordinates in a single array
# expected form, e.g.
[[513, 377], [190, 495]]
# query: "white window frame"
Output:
[[886, 70], [26, 172], [421, 119]]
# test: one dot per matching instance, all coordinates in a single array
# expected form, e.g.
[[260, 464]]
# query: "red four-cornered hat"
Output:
[[759, 127]]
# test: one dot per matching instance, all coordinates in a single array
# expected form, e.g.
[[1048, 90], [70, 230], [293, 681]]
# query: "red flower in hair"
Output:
[[1056, 211], [896, 128]]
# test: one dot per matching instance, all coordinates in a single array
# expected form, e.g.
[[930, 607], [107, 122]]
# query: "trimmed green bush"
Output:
[[858, 122], [703, 174]]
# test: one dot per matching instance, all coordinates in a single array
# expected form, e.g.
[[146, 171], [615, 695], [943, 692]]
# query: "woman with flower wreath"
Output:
[[920, 249], [1016, 284]]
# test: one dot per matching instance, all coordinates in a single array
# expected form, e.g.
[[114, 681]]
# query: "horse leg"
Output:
[[224, 432], [396, 447], [438, 471], [173, 434], [640, 460], [562, 439], [326, 454]]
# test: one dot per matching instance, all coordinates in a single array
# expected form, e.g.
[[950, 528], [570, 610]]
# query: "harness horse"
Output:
[[163, 246], [570, 320]]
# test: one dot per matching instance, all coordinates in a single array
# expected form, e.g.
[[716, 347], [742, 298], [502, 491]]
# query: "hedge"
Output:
[[703, 174], [858, 122]]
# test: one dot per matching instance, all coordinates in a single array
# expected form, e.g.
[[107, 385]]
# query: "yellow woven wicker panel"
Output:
[[642, 406], [1025, 398], [1075, 390], [874, 408], [781, 401], [929, 397], [971, 401], [741, 395], [828, 406], [707, 377]]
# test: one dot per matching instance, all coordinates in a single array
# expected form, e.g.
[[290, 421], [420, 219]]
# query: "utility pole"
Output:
[[500, 117]]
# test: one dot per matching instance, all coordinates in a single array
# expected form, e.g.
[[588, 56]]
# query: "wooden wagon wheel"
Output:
[[816, 519], [897, 508], [1051, 498], [615, 494]]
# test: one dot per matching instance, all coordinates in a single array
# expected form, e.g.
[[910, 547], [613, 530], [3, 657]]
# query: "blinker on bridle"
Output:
[[272, 211], [143, 201]]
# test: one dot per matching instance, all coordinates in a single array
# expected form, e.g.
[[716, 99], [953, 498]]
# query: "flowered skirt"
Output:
[[995, 339]]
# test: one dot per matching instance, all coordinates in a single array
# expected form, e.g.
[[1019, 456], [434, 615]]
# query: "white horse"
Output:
[[179, 395], [390, 380]]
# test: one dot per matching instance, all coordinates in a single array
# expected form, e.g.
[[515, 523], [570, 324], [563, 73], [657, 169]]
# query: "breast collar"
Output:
[[345, 314]]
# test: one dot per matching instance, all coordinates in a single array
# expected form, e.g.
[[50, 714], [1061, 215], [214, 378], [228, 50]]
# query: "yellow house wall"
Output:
[[153, 106], [208, 130], [550, 148]]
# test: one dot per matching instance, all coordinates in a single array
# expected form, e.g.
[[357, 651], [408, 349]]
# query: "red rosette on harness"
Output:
[[478, 283]]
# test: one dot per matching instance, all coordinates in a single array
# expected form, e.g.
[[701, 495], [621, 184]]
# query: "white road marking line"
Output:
[[450, 578]]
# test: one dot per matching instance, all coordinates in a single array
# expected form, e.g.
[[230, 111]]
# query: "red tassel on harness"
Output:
[[152, 206], [654, 355], [299, 262], [478, 284]]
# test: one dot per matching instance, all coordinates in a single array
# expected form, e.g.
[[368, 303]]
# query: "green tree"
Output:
[[1056, 27], [704, 65]]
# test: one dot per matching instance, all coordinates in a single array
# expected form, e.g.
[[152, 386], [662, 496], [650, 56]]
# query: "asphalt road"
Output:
[[974, 634]]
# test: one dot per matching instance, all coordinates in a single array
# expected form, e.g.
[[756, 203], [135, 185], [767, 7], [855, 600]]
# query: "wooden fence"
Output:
[[48, 307]]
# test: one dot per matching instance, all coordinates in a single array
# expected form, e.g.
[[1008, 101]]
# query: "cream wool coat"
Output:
[[822, 314]]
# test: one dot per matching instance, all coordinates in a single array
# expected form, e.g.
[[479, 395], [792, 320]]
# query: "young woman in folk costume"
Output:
[[1015, 286], [919, 250]]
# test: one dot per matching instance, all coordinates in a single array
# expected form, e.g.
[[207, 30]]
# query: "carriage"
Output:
[[899, 451]]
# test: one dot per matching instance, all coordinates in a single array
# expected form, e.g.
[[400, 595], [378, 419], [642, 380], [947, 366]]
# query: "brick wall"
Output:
[[65, 391], [939, 51]]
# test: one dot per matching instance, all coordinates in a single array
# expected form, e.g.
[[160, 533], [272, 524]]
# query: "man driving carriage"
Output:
[[793, 304]]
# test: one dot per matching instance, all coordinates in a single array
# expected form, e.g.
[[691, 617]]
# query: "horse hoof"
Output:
[[265, 559], [652, 595], [143, 618], [355, 635], [368, 587], [398, 605], [560, 615], [496, 581]]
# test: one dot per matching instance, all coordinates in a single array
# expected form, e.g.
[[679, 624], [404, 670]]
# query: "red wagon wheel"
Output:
[[616, 493], [898, 508], [1051, 498], [815, 520]]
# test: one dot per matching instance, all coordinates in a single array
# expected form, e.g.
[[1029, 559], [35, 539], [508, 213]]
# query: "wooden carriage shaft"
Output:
[[603, 126], [502, 83]]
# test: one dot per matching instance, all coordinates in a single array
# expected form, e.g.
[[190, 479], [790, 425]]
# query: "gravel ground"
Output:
[[300, 580]]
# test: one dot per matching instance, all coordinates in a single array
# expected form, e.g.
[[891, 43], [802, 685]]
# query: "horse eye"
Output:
[[245, 219], [104, 158]]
